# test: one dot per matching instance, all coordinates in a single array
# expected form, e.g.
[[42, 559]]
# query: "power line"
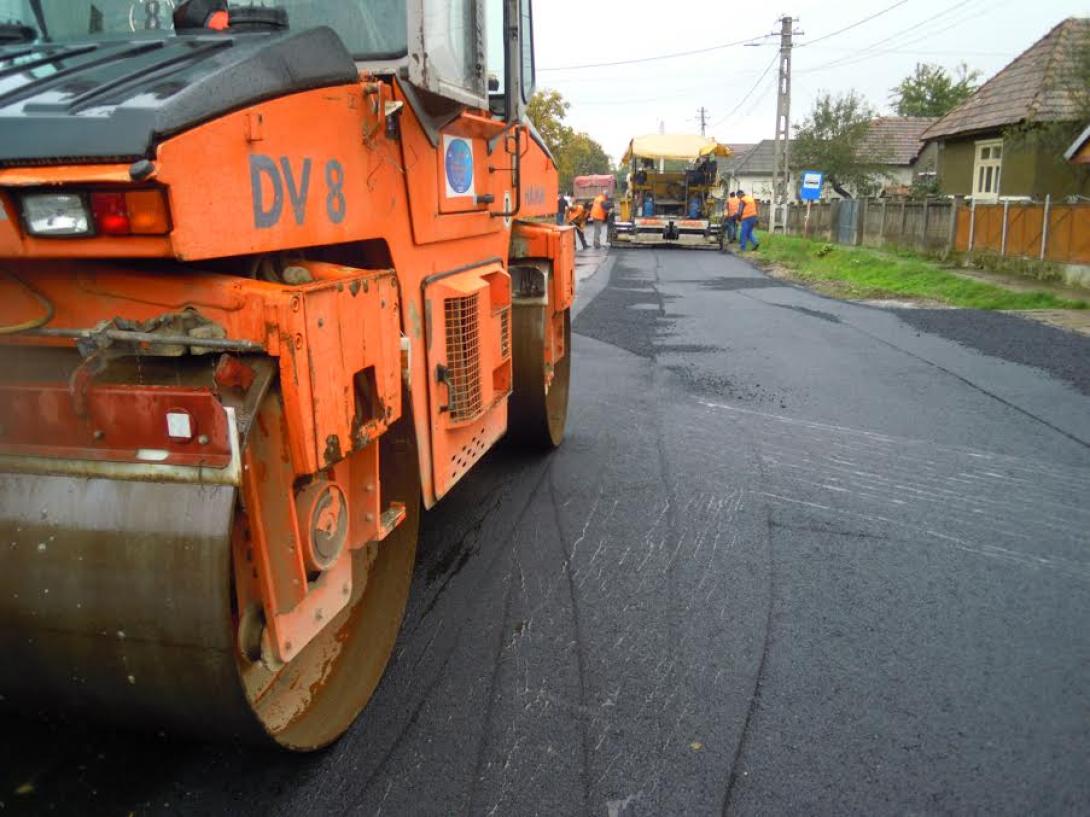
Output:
[[844, 62], [991, 5], [656, 57], [872, 50], [767, 89], [668, 96], [898, 50], [711, 48], [855, 24], [692, 52], [749, 93], [709, 81]]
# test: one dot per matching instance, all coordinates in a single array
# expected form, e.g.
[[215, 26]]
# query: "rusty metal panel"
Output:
[[118, 423], [338, 328]]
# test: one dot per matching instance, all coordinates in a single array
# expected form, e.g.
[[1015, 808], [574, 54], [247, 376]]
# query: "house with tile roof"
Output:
[[892, 145], [976, 155], [751, 170]]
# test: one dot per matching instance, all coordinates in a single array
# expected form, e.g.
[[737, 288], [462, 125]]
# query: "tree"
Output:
[[931, 90], [831, 139], [548, 110], [581, 156], [576, 154]]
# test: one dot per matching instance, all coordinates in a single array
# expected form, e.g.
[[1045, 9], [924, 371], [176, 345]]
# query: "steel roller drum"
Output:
[[116, 599], [538, 413]]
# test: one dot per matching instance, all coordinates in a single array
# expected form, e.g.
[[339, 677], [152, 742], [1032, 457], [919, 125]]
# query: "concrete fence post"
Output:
[[923, 238], [952, 234], [972, 225], [1044, 225], [882, 226], [904, 221], [860, 222], [1003, 235]]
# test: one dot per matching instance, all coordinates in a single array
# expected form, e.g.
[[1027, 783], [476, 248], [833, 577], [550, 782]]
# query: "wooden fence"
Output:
[[1043, 231], [1047, 232]]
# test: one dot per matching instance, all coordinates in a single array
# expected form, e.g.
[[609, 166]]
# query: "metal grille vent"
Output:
[[463, 357], [505, 333]]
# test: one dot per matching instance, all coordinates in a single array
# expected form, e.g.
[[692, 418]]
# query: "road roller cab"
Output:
[[267, 288]]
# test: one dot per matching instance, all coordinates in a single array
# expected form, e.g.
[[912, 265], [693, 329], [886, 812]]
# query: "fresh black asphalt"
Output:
[[796, 556], [1021, 340]]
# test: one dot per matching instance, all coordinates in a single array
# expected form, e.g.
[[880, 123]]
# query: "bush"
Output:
[[1024, 267], [824, 250]]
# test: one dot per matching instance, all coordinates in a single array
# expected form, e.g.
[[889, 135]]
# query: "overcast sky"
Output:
[[614, 103]]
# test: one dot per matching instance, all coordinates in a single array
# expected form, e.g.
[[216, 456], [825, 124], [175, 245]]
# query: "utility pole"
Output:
[[662, 162], [702, 113], [781, 165]]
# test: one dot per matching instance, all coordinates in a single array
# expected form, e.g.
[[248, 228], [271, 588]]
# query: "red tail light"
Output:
[[110, 213]]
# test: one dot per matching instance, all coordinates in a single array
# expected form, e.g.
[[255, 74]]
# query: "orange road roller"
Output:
[[273, 278]]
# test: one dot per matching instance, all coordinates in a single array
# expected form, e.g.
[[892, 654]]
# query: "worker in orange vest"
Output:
[[747, 206], [599, 213], [576, 216], [730, 218]]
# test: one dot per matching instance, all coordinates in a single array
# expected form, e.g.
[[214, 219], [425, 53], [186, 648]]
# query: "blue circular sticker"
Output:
[[459, 166]]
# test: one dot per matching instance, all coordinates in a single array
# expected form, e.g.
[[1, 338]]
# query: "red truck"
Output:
[[585, 188]]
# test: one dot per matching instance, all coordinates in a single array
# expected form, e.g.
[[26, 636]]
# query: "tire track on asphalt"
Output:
[[964, 380], [976, 387], [583, 709], [766, 647], [493, 681], [580, 658], [440, 675], [648, 324], [758, 681], [898, 499]]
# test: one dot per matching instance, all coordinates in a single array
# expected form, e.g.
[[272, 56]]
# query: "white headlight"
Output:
[[56, 214]]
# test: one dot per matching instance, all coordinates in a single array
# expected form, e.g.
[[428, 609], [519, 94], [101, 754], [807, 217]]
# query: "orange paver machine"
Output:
[[272, 278]]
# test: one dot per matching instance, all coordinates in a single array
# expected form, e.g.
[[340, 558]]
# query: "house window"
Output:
[[987, 168]]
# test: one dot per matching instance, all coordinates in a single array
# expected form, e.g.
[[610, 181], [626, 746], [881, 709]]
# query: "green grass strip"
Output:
[[861, 272]]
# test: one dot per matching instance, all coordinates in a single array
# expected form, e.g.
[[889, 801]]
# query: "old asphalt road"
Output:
[[796, 557]]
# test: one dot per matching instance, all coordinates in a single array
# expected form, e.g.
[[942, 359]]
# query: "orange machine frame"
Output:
[[381, 252]]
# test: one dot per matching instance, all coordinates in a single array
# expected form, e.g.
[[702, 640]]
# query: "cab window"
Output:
[[370, 29], [527, 44]]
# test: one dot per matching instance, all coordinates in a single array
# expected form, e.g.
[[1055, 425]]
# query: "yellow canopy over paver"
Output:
[[674, 146]]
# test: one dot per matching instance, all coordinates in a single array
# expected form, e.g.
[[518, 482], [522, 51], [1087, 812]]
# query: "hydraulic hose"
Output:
[[34, 323]]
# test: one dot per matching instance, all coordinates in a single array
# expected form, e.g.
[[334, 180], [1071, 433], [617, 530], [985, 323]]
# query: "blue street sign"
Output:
[[812, 182]]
